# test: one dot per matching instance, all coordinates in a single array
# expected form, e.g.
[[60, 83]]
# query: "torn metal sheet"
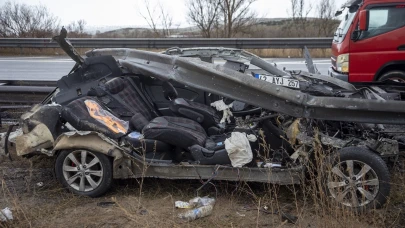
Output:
[[228, 83], [38, 138], [309, 63], [89, 140], [93, 141], [282, 176]]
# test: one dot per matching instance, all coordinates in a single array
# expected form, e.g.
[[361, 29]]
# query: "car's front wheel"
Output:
[[84, 172], [358, 179]]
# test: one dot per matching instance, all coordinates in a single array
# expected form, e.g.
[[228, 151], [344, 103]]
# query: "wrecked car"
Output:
[[126, 113]]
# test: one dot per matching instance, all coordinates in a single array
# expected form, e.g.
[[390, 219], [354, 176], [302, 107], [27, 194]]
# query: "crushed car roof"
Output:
[[229, 83]]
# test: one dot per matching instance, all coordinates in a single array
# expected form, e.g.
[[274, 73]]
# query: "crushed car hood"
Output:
[[219, 80]]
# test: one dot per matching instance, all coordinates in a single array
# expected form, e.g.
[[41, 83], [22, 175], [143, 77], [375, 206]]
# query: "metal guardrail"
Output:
[[26, 89], [242, 43], [16, 99]]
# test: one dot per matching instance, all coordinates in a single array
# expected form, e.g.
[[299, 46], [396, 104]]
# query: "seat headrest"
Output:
[[96, 92], [115, 85], [138, 122]]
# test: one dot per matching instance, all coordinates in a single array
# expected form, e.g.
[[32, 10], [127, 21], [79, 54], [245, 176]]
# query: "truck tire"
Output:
[[396, 75], [84, 172], [366, 187]]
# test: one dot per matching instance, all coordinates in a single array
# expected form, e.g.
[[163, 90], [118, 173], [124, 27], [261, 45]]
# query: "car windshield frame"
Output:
[[343, 28]]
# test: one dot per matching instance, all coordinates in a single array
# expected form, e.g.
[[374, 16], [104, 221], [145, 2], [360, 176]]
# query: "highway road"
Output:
[[53, 68]]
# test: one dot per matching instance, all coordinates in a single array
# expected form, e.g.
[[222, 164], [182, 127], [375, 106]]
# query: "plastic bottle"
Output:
[[197, 213]]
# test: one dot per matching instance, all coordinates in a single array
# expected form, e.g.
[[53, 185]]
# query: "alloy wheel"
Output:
[[353, 183], [82, 170]]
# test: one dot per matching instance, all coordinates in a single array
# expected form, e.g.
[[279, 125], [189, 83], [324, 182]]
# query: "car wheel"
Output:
[[358, 179], [398, 76], [84, 172]]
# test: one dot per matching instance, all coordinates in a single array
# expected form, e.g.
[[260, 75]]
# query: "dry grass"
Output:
[[265, 53], [150, 202]]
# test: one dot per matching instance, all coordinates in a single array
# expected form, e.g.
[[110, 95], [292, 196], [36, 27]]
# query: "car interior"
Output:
[[187, 130]]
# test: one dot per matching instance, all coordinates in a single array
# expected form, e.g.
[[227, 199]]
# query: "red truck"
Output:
[[369, 44]]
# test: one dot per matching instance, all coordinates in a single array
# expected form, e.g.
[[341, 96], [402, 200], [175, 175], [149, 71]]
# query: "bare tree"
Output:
[[159, 20], [151, 17], [21, 20], [299, 13], [326, 14], [204, 13], [237, 16], [166, 20], [76, 29]]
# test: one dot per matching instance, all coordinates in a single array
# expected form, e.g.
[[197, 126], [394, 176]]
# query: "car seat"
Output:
[[201, 113], [165, 131]]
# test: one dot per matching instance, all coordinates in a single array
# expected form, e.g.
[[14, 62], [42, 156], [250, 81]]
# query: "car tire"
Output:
[[398, 76], [367, 187], [84, 172]]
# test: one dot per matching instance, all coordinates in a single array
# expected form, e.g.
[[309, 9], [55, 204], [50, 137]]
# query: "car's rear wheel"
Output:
[[358, 179], [398, 76], [84, 172]]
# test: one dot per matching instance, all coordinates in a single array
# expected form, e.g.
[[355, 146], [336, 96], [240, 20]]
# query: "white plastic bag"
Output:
[[6, 215], [226, 109], [238, 148]]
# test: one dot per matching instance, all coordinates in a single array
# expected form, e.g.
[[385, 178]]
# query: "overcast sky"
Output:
[[125, 13]]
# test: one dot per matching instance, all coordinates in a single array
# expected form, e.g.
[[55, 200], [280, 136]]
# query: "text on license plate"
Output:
[[279, 80]]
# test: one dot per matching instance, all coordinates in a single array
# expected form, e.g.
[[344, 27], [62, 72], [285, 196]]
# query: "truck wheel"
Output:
[[83, 172], [398, 76], [358, 179]]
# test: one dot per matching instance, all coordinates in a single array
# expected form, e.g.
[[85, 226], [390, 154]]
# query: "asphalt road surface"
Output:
[[53, 68]]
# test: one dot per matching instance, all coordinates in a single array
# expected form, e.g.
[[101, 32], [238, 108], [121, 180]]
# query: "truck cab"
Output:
[[369, 44]]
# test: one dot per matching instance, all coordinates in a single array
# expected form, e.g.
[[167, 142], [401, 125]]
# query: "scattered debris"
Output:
[[268, 165], [6, 215], [106, 204], [241, 215], [182, 204], [143, 212], [284, 216], [226, 109], [238, 148], [203, 208], [289, 218], [13, 135]]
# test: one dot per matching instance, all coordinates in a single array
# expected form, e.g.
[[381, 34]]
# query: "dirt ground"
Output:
[[36, 199]]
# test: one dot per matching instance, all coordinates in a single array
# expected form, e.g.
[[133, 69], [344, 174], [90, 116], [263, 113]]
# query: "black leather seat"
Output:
[[177, 131], [120, 96], [201, 113], [77, 114], [189, 135]]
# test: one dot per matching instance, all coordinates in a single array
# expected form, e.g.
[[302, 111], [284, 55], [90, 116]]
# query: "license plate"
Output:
[[292, 83]]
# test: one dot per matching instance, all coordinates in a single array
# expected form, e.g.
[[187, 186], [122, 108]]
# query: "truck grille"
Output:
[[333, 60]]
